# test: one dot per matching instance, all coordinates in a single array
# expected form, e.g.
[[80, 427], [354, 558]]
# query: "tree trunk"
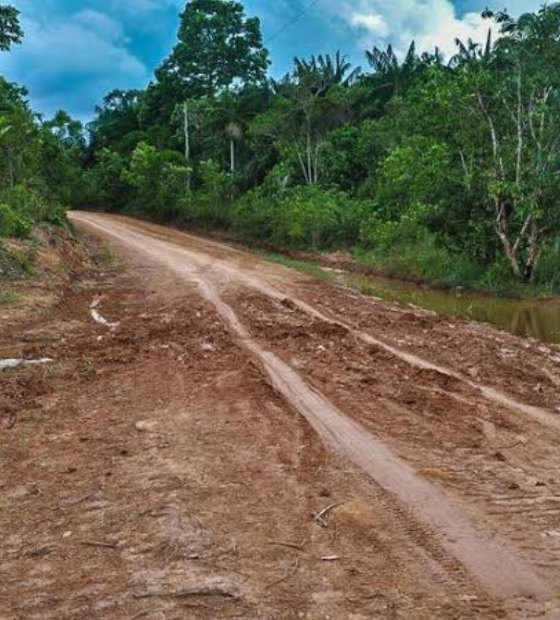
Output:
[[232, 155], [187, 143], [534, 253], [502, 230], [11, 180], [309, 160]]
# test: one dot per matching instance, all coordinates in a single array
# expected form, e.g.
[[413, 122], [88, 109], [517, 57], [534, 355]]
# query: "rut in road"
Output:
[[239, 274], [485, 558]]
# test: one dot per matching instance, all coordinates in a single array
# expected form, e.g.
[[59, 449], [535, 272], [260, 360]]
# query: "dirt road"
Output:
[[291, 450]]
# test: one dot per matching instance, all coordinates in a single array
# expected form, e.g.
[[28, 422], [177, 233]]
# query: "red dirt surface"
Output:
[[172, 465]]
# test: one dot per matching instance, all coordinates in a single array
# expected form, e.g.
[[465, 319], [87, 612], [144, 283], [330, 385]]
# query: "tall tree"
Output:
[[117, 121], [11, 31], [516, 96], [218, 47], [311, 101]]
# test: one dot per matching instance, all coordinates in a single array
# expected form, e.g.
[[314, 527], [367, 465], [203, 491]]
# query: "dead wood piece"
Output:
[[290, 545], [203, 591], [100, 543], [74, 503], [319, 517], [509, 446], [148, 613]]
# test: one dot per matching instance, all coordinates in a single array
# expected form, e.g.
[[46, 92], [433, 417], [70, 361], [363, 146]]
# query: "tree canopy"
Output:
[[444, 169], [11, 31]]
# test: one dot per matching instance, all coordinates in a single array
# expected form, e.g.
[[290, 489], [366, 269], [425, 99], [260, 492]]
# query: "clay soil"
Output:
[[242, 441]]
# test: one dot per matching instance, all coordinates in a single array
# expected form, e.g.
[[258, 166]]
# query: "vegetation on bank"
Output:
[[40, 163], [442, 170]]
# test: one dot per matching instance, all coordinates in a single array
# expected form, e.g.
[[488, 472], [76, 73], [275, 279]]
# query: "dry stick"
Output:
[[95, 543], [188, 592], [281, 543], [78, 501], [323, 513], [287, 576], [509, 447]]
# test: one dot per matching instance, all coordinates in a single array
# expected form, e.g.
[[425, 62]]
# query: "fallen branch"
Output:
[[510, 446], [94, 543], [319, 517], [287, 576], [290, 545], [205, 591], [74, 503], [148, 613]]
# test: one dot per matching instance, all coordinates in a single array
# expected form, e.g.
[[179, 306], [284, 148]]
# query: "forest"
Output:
[[442, 170]]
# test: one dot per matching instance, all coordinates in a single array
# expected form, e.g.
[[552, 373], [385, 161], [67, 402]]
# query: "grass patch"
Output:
[[10, 298], [311, 269]]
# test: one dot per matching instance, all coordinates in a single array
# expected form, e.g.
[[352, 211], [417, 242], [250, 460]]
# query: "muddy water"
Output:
[[538, 319]]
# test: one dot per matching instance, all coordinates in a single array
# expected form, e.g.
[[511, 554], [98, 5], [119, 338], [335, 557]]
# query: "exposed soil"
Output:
[[171, 463]]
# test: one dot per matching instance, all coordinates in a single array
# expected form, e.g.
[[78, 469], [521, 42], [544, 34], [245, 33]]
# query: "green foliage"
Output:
[[443, 172], [351, 154], [305, 216], [158, 178], [217, 46], [105, 182], [13, 224], [31, 204], [9, 297], [10, 30], [40, 162]]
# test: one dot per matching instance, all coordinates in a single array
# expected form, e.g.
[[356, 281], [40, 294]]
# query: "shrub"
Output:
[[14, 224], [159, 180], [30, 204], [303, 216]]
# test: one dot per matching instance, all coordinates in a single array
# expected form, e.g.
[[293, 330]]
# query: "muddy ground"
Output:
[[159, 469]]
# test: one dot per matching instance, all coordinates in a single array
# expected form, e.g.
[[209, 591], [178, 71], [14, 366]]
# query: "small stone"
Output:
[[67, 534], [146, 426]]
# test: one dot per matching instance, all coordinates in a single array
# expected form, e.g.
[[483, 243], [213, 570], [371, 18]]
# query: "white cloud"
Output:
[[430, 23], [372, 22]]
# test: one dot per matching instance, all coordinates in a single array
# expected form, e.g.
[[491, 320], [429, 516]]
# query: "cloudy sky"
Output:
[[77, 50]]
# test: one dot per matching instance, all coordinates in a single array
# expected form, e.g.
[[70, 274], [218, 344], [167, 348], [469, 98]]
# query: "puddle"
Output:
[[539, 319]]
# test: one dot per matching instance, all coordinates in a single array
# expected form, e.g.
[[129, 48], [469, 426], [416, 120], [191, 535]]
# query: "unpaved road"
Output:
[[249, 399]]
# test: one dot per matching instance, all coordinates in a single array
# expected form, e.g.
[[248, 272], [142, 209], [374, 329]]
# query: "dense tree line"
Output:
[[41, 161], [444, 169]]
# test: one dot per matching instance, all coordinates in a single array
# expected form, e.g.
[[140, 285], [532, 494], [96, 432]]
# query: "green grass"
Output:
[[10, 297], [311, 269]]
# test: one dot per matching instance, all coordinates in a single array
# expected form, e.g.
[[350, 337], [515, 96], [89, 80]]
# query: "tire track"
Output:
[[454, 532], [240, 274]]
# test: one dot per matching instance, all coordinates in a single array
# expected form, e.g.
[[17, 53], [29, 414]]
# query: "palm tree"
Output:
[[326, 71], [392, 76]]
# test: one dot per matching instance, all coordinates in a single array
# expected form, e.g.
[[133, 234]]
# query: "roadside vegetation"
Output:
[[445, 170], [40, 164]]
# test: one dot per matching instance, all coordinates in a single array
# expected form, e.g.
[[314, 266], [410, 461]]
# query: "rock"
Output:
[[146, 426], [473, 372]]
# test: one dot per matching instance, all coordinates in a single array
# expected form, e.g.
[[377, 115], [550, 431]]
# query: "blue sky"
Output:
[[77, 50]]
